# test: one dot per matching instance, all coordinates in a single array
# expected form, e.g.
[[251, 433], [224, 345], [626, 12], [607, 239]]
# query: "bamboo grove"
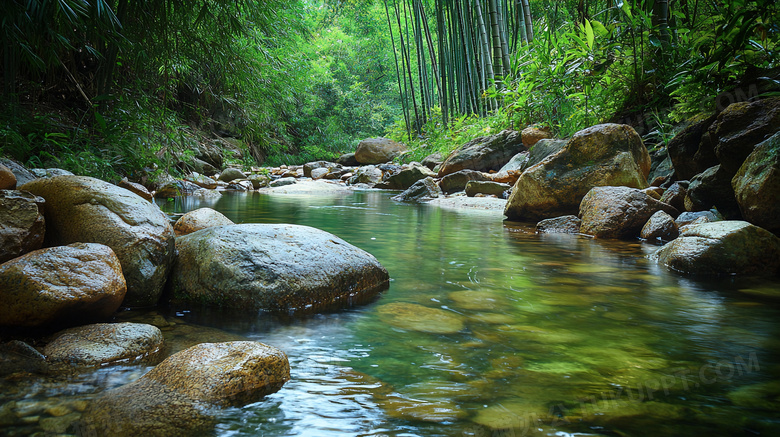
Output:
[[472, 52]]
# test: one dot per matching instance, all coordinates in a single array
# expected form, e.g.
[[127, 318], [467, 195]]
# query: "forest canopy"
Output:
[[107, 87]]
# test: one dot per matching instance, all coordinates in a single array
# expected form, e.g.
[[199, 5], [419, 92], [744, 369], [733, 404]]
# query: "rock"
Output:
[[478, 205], [689, 155], [80, 208], [105, 343], [65, 284], [486, 187], [661, 168], [618, 212], [367, 174], [21, 174], [757, 185], [22, 224], [660, 226], [484, 153], [201, 181], [567, 224], [202, 167], [675, 195], [377, 150], [309, 166], [198, 219], [421, 191], [654, 192], [259, 180], [135, 188], [18, 356], [433, 160], [722, 248], [231, 174], [457, 181], [306, 186], [541, 151], [602, 155], [335, 173], [281, 182], [407, 176], [410, 316], [505, 177], [742, 126], [532, 134], [177, 397], [712, 188], [176, 188], [7, 178], [273, 267], [688, 217], [240, 185], [50, 172], [204, 193], [516, 162], [348, 160], [319, 173]]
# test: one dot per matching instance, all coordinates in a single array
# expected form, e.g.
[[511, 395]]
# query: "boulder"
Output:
[[273, 267], [689, 155], [675, 195], [7, 178], [135, 188], [65, 284], [105, 343], [178, 396], [661, 168], [489, 188], [757, 185], [689, 217], [618, 212], [457, 181], [541, 151], [742, 126], [484, 153], [712, 188], [421, 191], [515, 163], [50, 172], [21, 174], [202, 167], [567, 224], [22, 224], [726, 247], [367, 174], [281, 182], [200, 180], [319, 173], [309, 166], [377, 150], [231, 174], [80, 208], [19, 357], [259, 180], [348, 160], [176, 188], [602, 155], [532, 134], [433, 160], [660, 226], [407, 176], [198, 219]]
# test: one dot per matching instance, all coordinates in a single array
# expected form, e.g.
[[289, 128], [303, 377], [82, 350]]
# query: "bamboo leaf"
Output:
[[589, 34]]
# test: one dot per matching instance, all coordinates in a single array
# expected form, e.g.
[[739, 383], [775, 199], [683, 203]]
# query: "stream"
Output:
[[553, 334]]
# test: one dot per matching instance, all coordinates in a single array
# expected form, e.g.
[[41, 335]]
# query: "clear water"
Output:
[[550, 335]]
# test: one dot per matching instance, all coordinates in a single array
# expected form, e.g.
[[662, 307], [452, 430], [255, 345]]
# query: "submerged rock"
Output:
[[18, 356], [22, 224], [65, 284], [618, 212], [198, 219], [415, 317], [105, 343], [178, 397], [84, 209], [724, 247], [484, 153], [273, 267], [602, 155]]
